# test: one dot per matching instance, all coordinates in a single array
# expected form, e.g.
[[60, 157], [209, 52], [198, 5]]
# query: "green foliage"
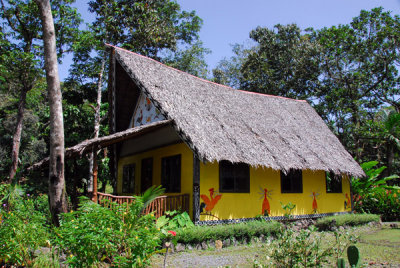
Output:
[[47, 260], [372, 194], [341, 263], [300, 249], [94, 234], [190, 60], [150, 194], [23, 227], [288, 209], [343, 238], [173, 220], [327, 223], [238, 231], [284, 62], [353, 256]]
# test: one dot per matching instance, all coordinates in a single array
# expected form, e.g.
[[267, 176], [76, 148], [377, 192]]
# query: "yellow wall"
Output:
[[249, 205], [157, 154], [241, 205]]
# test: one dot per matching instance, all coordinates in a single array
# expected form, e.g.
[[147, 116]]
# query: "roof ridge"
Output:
[[202, 79]]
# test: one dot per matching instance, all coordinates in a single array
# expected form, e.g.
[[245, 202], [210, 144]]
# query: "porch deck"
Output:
[[158, 206]]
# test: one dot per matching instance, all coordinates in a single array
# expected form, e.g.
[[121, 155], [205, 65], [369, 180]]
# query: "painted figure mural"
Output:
[[347, 202], [314, 196], [209, 203], [145, 112], [266, 208]]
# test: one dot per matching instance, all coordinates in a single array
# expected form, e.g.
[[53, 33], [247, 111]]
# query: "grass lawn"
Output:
[[379, 246]]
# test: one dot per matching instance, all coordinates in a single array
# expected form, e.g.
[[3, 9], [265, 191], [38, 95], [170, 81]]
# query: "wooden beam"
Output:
[[98, 143]]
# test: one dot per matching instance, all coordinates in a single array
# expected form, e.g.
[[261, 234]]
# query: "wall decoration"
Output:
[[314, 196], [266, 208], [209, 203], [347, 202], [145, 112]]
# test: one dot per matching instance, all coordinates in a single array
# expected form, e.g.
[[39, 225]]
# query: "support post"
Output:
[[196, 188], [95, 169]]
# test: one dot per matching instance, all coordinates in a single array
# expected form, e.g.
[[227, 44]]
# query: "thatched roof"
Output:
[[221, 123]]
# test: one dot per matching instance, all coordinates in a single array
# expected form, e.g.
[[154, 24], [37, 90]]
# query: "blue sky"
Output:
[[227, 22]]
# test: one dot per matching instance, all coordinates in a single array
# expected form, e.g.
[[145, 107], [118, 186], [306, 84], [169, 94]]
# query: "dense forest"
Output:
[[349, 73]]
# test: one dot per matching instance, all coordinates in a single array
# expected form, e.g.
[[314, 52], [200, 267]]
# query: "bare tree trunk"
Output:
[[93, 158], [17, 135], [57, 194]]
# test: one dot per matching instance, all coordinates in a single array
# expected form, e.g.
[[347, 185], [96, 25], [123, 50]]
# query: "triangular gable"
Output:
[[145, 112]]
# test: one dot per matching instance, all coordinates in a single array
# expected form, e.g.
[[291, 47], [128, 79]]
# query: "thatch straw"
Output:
[[221, 123]]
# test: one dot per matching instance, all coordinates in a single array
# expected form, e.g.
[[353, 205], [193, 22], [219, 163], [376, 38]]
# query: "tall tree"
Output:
[[190, 60], [284, 62], [57, 196], [358, 72], [20, 24]]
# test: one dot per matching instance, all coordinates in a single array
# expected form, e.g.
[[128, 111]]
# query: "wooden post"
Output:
[[196, 188], [95, 169]]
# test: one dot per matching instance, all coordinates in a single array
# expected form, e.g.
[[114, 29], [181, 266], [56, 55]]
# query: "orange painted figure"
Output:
[[265, 204], [347, 203], [266, 208], [314, 202], [212, 201], [148, 104]]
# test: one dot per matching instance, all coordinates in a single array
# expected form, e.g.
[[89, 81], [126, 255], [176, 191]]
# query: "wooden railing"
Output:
[[178, 202], [158, 206]]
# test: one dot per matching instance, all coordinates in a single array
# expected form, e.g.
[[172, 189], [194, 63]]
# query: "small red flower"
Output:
[[172, 232]]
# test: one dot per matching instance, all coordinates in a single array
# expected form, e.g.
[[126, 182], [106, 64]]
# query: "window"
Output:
[[333, 183], [128, 178], [234, 177], [292, 182], [171, 173]]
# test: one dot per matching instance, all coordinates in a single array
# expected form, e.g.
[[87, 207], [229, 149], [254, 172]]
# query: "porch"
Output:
[[158, 206]]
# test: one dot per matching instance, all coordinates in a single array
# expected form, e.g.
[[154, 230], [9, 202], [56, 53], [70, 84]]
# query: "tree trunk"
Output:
[[17, 135], [57, 195], [92, 157]]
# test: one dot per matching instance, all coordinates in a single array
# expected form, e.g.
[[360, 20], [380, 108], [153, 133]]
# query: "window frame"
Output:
[[291, 175], [333, 179], [224, 164], [131, 169], [163, 171]]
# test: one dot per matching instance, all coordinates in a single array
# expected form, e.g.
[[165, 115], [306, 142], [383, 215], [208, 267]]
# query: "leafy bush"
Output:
[[23, 228], [327, 223], [120, 236], [300, 249], [239, 231], [373, 195], [380, 201], [173, 220]]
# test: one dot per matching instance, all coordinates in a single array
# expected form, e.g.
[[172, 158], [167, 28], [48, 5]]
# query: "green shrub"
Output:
[[300, 249], [172, 220], [327, 223], [23, 229], [238, 231], [380, 201], [372, 194], [120, 236]]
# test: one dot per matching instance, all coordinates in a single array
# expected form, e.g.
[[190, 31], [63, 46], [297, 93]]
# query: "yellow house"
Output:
[[225, 154]]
